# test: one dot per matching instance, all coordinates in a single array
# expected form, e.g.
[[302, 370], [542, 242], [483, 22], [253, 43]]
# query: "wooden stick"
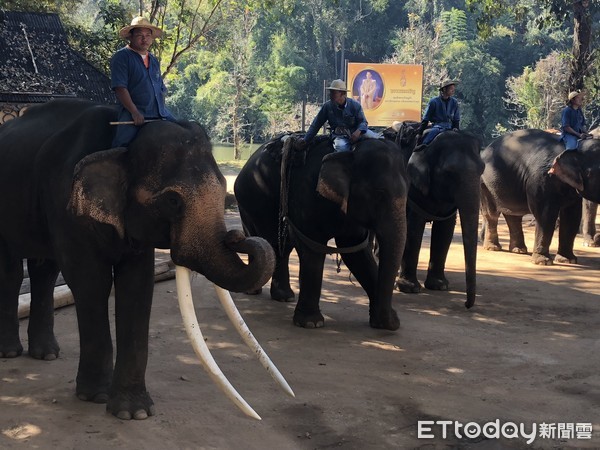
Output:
[[131, 122]]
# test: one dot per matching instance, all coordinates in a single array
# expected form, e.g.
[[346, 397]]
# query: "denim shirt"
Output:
[[572, 118], [145, 86], [350, 116], [444, 114]]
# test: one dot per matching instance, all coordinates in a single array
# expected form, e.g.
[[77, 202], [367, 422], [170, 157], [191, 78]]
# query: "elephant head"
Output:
[[166, 191], [581, 169], [370, 187]]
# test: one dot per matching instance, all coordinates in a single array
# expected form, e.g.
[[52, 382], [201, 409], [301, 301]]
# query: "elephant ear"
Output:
[[418, 172], [568, 170], [99, 188], [334, 178]]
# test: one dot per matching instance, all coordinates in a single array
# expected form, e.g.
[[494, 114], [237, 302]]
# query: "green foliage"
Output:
[[453, 26]]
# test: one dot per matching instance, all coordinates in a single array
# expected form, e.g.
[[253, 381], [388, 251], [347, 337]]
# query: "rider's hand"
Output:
[[355, 136], [138, 118]]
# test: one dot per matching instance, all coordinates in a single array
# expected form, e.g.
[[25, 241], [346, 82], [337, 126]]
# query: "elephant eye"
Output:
[[170, 205]]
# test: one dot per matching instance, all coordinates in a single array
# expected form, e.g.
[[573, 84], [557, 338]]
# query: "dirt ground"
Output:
[[526, 353]]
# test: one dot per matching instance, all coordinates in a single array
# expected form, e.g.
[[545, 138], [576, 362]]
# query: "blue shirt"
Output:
[[572, 118], [349, 116], [145, 86], [442, 113]]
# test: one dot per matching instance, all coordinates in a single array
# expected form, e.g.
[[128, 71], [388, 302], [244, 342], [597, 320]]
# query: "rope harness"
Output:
[[286, 226]]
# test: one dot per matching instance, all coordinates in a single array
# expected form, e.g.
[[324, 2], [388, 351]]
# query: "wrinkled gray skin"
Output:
[[516, 182], [70, 203], [444, 178], [331, 195], [588, 224]]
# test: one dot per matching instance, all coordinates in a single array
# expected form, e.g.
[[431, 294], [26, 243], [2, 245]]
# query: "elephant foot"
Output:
[[282, 293], [519, 250], [304, 320], [565, 259], [541, 260], [10, 347], [592, 242], [408, 286], [385, 321], [131, 405], [492, 247], [45, 348], [436, 283]]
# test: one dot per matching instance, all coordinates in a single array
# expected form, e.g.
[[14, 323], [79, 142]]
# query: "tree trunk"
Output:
[[581, 44]]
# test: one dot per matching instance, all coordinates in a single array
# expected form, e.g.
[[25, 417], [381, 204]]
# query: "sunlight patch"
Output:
[[23, 431], [488, 320], [382, 346], [431, 312], [454, 370]]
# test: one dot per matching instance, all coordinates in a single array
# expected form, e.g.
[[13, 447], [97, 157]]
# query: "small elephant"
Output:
[[516, 181], [72, 204], [444, 179], [343, 195]]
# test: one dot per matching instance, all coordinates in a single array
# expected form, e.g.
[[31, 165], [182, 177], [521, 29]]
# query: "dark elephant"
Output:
[[72, 204], [588, 224], [444, 178], [516, 182], [341, 195]]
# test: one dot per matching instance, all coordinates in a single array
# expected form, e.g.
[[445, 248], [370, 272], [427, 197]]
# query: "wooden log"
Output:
[[163, 270]]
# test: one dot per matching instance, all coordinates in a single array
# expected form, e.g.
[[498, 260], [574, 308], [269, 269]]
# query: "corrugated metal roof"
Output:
[[36, 62]]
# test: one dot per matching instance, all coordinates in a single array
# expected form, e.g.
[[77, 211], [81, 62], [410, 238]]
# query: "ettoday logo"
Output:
[[429, 429]]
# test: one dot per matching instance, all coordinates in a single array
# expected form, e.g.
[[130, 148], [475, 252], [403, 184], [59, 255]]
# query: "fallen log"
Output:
[[163, 270]]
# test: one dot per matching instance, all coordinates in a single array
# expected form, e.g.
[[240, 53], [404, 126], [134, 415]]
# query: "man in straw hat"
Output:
[[345, 117], [136, 80], [442, 111], [573, 122]]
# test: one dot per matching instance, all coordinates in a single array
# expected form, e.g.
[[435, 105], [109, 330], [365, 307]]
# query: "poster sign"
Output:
[[387, 92]]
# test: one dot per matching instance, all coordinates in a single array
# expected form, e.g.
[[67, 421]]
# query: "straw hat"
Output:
[[447, 83], [337, 85], [140, 22], [572, 95]]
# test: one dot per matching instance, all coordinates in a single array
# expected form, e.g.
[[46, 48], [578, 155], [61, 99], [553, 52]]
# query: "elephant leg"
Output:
[[134, 285], [91, 293], [11, 277], [307, 313], [545, 222], [441, 237], [363, 266], [588, 224], [407, 280], [570, 217], [42, 342], [517, 238], [490, 216], [280, 283]]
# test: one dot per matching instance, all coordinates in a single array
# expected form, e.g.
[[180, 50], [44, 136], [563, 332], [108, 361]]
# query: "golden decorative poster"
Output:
[[387, 92]]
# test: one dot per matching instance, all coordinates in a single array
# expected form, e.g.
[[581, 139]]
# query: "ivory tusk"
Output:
[[247, 336], [184, 294]]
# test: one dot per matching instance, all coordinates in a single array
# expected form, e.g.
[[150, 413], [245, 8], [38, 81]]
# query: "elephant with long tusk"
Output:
[[70, 203]]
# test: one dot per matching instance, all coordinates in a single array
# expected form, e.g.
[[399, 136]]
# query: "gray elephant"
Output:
[[324, 195], [71, 203], [444, 179], [588, 224], [516, 181]]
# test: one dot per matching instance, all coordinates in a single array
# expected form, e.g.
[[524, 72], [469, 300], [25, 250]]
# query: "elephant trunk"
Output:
[[469, 222], [201, 242], [392, 239]]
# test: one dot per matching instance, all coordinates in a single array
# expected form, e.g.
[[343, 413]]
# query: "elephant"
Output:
[[444, 178], [343, 195], [588, 224], [73, 204], [516, 181]]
